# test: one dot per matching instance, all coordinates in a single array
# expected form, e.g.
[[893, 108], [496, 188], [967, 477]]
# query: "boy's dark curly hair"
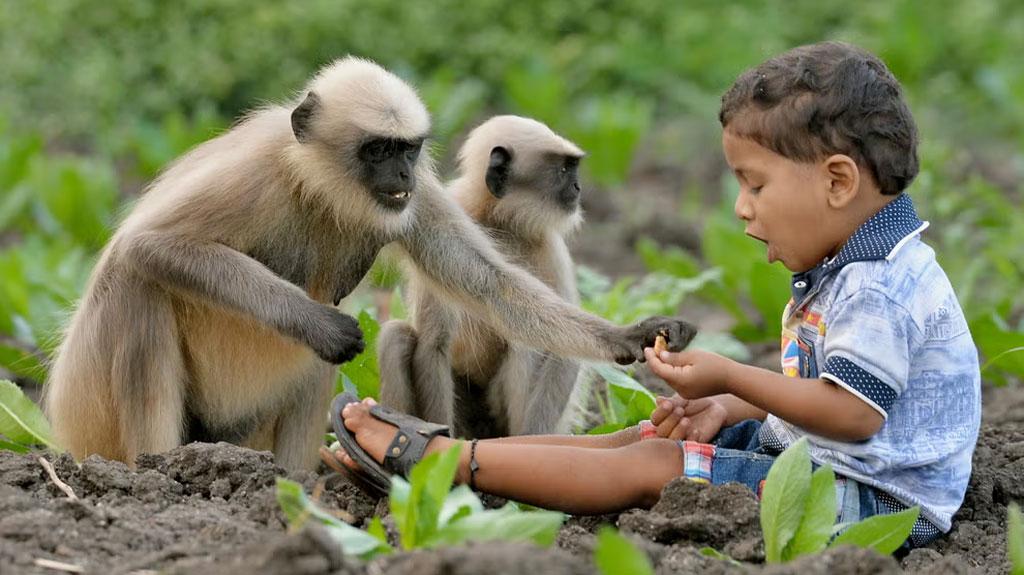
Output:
[[823, 99]]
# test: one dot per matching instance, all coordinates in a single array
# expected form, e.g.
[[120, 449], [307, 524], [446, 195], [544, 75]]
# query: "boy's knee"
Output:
[[657, 461]]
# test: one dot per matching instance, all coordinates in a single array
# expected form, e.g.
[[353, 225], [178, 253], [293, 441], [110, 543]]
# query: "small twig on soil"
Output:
[[58, 566], [56, 480]]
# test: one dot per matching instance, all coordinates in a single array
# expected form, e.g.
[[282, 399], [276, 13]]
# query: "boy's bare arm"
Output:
[[738, 410], [817, 405]]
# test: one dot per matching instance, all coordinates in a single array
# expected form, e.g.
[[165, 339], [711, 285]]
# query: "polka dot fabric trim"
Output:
[[875, 239], [878, 236], [770, 441], [923, 531], [861, 381]]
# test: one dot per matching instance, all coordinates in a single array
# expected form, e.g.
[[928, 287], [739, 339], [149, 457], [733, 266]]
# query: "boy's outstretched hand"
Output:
[[693, 374], [689, 419]]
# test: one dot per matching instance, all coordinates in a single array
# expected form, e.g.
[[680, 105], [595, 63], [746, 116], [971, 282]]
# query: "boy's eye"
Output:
[[756, 190]]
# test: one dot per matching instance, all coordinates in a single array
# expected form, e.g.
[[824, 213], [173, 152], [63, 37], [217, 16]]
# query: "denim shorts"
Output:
[[740, 458]]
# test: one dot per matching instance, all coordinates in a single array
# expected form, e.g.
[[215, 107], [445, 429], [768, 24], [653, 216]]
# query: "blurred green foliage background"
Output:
[[96, 96]]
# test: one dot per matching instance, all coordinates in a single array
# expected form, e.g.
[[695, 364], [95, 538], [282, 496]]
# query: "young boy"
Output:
[[879, 369]]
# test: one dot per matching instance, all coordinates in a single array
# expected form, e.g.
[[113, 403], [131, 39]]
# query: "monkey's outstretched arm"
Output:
[[458, 259], [223, 276]]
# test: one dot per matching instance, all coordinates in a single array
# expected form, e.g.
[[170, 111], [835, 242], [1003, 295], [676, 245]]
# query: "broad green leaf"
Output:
[[376, 529], [362, 371], [769, 292], [417, 509], [1015, 539], [784, 498], [21, 362], [505, 524], [21, 420], [298, 509], [616, 555], [671, 260], [460, 502], [883, 533], [819, 516], [996, 343], [619, 378], [716, 554], [722, 344], [8, 446], [606, 428]]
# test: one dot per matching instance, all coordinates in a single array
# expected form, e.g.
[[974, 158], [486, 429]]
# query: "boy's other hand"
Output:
[[693, 374], [689, 419]]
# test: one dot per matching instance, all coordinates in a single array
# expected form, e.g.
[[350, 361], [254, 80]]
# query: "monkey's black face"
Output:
[[566, 182], [388, 167]]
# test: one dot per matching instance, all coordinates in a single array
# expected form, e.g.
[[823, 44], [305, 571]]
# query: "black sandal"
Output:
[[406, 448]]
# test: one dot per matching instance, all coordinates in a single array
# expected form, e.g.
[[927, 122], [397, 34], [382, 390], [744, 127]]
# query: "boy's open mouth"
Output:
[[755, 237], [770, 251]]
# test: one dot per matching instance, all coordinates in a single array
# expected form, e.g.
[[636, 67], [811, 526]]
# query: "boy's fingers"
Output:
[[679, 358], [658, 415], [660, 368], [662, 407], [681, 429], [669, 423], [693, 406]]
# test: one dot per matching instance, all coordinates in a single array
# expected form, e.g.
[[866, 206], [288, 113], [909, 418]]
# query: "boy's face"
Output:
[[783, 203]]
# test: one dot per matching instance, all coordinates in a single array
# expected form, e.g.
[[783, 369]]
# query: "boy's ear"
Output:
[[843, 179]]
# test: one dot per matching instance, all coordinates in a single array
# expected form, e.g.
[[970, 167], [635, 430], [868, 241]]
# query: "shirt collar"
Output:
[[880, 237]]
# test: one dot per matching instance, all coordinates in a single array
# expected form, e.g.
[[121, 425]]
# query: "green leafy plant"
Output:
[[624, 402], [428, 513], [1015, 539], [616, 555], [798, 509], [362, 374], [22, 423], [298, 509]]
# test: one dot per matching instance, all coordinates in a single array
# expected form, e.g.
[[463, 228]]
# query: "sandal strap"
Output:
[[410, 441], [400, 420]]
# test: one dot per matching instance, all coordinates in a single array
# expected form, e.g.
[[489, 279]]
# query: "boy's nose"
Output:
[[742, 208]]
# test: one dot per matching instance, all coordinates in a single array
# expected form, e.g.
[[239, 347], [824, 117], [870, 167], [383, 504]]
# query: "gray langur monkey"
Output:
[[211, 313], [518, 179]]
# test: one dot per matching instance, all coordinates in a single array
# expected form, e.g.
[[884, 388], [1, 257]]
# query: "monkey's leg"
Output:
[[539, 394], [549, 395], [303, 422], [432, 377], [148, 374], [396, 344]]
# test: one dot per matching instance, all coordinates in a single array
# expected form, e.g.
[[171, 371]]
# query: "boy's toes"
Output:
[[354, 415]]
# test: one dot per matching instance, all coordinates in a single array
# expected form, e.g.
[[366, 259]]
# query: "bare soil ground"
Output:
[[206, 508]]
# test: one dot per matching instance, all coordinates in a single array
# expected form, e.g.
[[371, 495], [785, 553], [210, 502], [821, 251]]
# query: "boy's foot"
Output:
[[374, 435]]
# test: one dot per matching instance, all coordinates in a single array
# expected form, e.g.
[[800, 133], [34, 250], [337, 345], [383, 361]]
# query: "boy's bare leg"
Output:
[[577, 480], [620, 438]]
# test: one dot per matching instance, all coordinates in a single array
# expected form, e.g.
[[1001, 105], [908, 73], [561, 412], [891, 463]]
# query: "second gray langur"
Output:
[[518, 180], [211, 312]]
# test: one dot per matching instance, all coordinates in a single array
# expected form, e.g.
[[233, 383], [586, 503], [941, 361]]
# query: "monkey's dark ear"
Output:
[[498, 170], [302, 117]]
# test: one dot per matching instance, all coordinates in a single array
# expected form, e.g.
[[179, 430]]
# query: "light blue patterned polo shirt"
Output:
[[881, 320]]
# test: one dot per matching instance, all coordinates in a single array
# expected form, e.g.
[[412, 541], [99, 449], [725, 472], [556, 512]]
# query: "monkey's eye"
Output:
[[570, 163], [413, 151], [376, 150]]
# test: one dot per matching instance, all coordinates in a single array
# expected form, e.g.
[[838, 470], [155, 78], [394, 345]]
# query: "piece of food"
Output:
[[660, 344]]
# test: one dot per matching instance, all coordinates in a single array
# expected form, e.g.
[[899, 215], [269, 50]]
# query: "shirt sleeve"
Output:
[[868, 347]]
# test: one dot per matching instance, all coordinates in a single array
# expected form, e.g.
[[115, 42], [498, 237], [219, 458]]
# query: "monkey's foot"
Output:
[[377, 442]]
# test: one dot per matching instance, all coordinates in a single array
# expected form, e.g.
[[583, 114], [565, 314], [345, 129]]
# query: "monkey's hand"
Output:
[[340, 339], [677, 334]]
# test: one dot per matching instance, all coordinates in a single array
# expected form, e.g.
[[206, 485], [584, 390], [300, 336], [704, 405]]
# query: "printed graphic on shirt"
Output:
[[798, 350]]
